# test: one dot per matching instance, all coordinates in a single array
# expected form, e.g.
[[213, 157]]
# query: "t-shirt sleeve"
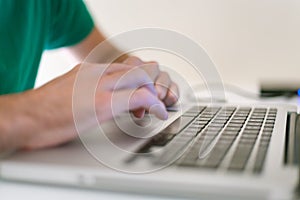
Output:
[[70, 23]]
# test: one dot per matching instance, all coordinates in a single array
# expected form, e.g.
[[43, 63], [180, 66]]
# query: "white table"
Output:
[[23, 191]]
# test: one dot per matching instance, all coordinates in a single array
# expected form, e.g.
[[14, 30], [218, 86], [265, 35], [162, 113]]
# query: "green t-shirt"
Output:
[[27, 28]]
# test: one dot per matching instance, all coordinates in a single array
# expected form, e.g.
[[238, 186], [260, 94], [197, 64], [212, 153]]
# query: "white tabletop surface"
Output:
[[15, 191]]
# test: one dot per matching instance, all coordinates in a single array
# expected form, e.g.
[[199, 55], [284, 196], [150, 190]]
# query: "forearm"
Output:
[[34, 119], [17, 120]]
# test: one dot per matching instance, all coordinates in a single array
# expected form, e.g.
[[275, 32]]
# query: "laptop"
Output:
[[219, 151]]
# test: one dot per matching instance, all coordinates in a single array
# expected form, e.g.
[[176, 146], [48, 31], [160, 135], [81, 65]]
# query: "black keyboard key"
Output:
[[227, 132], [194, 111], [268, 129], [250, 132], [250, 137], [173, 150], [240, 157], [200, 122], [260, 110], [265, 138], [235, 125], [237, 129], [257, 124], [207, 132], [191, 156], [217, 154], [256, 120], [267, 132], [252, 128], [260, 158]]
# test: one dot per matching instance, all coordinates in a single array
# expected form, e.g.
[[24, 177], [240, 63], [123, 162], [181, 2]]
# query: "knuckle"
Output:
[[152, 69], [173, 97], [142, 75], [165, 75], [155, 66]]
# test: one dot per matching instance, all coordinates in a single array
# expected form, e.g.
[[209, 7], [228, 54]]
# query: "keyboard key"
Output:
[[232, 129], [268, 129], [219, 121], [221, 125], [265, 138], [250, 137], [267, 133], [217, 154], [200, 122], [256, 120], [250, 132], [235, 125], [240, 157], [239, 118], [254, 128], [246, 141], [237, 121], [260, 158], [194, 111], [263, 110], [191, 156], [230, 133], [270, 126], [227, 137], [173, 151]]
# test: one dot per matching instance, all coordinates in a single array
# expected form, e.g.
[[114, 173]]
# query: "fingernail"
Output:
[[165, 112], [165, 116]]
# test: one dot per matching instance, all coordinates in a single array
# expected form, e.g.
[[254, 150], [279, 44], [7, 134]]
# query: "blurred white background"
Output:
[[248, 40]]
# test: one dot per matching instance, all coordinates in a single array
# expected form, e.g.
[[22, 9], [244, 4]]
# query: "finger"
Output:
[[139, 113], [162, 85], [152, 68], [127, 79], [141, 98], [135, 61], [172, 95]]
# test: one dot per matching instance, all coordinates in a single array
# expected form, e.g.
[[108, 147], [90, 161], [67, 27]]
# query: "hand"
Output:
[[166, 89], [130, 88]]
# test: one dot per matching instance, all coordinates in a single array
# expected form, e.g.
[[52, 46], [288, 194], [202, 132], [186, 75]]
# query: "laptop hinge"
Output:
[[291, 139], [292, 143]]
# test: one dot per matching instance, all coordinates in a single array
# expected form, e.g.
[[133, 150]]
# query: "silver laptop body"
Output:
[[197, 153]]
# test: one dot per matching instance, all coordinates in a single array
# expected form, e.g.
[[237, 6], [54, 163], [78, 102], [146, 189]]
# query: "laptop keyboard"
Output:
[[216, 133]]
